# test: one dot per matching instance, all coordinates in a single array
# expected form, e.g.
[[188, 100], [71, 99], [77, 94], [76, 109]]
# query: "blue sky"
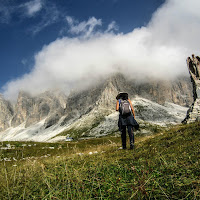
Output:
[[22, 34], [48, 44]]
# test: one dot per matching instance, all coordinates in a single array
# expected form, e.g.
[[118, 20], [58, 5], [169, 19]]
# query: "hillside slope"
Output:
[[162, 166]]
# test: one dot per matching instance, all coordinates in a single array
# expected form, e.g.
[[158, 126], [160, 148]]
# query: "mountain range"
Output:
[[53, 115]]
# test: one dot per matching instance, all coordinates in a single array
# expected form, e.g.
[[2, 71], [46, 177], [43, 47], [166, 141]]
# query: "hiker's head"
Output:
[[122, 95]]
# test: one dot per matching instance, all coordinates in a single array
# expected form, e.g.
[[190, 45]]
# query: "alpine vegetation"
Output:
[[163, 166]]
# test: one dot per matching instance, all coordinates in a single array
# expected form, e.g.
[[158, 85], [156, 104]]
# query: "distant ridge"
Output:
[[54, 112]]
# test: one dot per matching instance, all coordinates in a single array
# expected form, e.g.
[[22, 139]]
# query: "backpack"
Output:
[[125, 108]]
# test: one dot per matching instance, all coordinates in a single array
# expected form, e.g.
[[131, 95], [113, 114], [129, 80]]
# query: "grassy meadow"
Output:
[[165, 165]]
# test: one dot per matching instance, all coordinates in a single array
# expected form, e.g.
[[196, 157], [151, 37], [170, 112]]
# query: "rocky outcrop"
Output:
[[193, 113], [30, 109], [23, 109], [6, 113], [175, 91], [45, 105]]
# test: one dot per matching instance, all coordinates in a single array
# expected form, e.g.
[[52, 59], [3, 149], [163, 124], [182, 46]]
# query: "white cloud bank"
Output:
[[158, 50]]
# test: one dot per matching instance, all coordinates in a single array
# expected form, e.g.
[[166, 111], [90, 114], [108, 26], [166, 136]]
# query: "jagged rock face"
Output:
[[101, 98], [33, 109], [107, 99], [92, 107], [23, 109], [193, 113], [46, 104], [82, 102], [6, 112], [178, 91]]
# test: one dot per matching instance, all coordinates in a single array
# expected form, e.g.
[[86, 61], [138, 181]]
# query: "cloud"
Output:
[[5, 13], [158, 50], [46, 11], [33, 7], [24, 61], [50, 15], [28, 9], [177, 23], [112, 27], [86, 27]]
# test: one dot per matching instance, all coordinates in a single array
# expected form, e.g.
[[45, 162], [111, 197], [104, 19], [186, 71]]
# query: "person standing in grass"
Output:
[[126, 118]]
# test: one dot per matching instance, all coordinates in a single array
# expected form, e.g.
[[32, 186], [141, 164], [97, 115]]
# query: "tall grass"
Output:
[[162, 166]]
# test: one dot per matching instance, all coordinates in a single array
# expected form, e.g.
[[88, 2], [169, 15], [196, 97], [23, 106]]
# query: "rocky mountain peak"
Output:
[[6, 112], [178, 91], [31, 109]]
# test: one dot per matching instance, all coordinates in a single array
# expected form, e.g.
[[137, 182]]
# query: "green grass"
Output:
[[162, 166]]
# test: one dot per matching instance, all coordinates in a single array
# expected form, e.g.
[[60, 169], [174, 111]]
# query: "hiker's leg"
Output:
[[123, 136], [131, 136]]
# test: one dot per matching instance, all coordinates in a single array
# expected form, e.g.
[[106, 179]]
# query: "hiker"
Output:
[[126, 118]]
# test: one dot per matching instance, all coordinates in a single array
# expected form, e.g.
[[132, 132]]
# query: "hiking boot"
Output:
[[131, 146]]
